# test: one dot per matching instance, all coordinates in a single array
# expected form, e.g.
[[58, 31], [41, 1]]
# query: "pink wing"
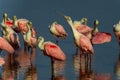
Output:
[[85, 44], [60, 29], [84, 29], [4, 45], [101, 37], [54, 51]]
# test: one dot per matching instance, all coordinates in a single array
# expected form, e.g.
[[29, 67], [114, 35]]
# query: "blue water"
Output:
[[43, 12]]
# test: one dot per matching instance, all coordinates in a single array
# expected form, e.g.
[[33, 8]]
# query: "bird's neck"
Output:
[[41, 45], [75, 32], [15, 23], [95, 30], [29, 33]]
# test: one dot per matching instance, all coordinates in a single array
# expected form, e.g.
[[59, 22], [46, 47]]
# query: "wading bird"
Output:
[[20, 26], [99, 37], [58, 31], [82, 42], [11, 36], [116, 30], [51, 49], [29, 39]]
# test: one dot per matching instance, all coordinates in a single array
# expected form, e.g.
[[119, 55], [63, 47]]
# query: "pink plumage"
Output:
[[4, 45], [54, 51], [60, 30], [85, 44], [83, 29], [101, 37]]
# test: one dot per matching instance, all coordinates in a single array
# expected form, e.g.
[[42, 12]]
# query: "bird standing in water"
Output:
[[58, 31], [10, 35], [82, 42], [29, 39]]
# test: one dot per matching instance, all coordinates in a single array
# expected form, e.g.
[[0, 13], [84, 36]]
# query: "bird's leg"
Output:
[[52, 67], [25, 47], [56, 38], [86, 62], [1, 52], [90, 56]]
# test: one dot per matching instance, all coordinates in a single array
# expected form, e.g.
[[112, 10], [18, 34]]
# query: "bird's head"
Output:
[[84, 20], [96, 22], [95, 29], [30, 24], [68, 18], [5, 15], [40, 39], [116, 27]]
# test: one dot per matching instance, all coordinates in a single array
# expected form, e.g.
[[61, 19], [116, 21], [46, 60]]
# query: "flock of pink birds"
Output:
[[84, 37]]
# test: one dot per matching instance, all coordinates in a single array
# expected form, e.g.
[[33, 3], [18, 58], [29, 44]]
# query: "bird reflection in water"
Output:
[[22, 64], [79, 66], [9, 69], [82, 74], [58, 70], [117, 67]]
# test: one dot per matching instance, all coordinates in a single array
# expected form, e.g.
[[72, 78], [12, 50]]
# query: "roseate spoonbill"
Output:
[[11, 36], [81, 26], [51, 49], [20, 26], [82, 42], [29, 39], [57, 30], [4, 45], [99, 37], [116, 30]]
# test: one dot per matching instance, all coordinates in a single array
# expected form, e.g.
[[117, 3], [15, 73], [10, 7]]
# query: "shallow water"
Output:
[[42, 13]]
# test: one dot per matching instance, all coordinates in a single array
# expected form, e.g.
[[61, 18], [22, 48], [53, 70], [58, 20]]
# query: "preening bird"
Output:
[[81, 26], [10, 35], [81, 40], [57, 30], [50, 49], [29, 39]]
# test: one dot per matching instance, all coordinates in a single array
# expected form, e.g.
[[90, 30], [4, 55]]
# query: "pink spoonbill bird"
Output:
[[116, 30], [99, 37], [81, 26], [51, 49], [11, 36], [20, 26], [29, 39], [58, 31], [82, 42]]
